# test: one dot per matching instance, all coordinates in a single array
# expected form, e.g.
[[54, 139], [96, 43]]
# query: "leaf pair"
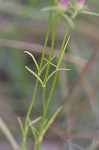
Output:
[[31, 125], [40, 71]]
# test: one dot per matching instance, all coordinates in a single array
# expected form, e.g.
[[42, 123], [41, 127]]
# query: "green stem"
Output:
[[47, 71], [62, 46], [52, 45], [26, 127], [46, 105], [43, 98], [45, 108], [39, 145], [55, 76], [40, 138], [33, 100], [46, 39], [35, 146]]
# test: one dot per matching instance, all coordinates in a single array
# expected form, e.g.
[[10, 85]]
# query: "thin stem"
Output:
[[40, 138], [43, 98], [47, 35], [33, 99], [46, 105], [55, 76], [45, 108], [52, 45], [48, 67], [62, 46], [35, 146], [39, 145], [42, 58], [26, 127]]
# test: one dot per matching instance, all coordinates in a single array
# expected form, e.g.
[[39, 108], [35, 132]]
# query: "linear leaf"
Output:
[[50, 62], [52, 119], [51, 75], [61, 69], [90, 13], [62, 52], [33, 59], [32, 72], [46, 64], [20, 123], [35, 121], [33, 131], [50, 8], [68, 19]]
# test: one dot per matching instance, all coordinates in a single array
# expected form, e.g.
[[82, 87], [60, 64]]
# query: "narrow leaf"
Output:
[[33, 59], [90, 13], [68, 19], [61, 69], [50, 62], [20, 123], [62, 52], [50, 8], [46, 64], [33, 132], [35, 121], [52, 118], [32, 72], [51, 75]]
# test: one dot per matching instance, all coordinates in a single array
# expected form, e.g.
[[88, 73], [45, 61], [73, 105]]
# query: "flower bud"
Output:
[[81, 3], [63, 3]]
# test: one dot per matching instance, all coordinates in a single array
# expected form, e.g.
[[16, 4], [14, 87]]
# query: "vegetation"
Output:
[[45, 71]]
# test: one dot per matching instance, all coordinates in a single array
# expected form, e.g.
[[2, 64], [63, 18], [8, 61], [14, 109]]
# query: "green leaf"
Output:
[[46, 64], [50, 62], [35, 121], [62, 53], [51, 75], [50, 8], [34, 130], [52, 119], [20, 123], [61, 69], [33, 59], [68, 19], [90, 13], [32, 72]]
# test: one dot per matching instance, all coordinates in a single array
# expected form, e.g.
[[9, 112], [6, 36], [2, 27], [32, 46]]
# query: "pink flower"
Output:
[[63, 3], [81, 3]]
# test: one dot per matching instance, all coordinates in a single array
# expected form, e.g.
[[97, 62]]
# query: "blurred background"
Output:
[[23, 27]]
